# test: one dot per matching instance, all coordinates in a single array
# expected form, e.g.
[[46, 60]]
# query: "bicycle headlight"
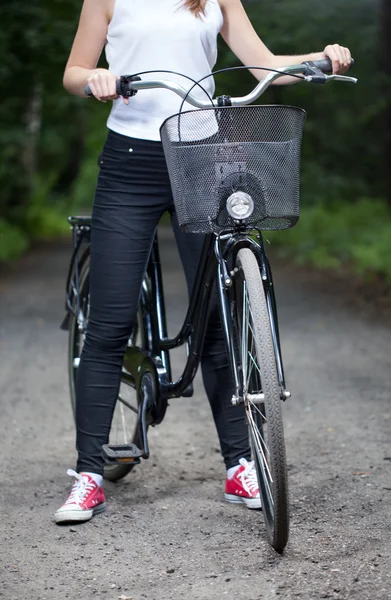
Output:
[[240, 205]]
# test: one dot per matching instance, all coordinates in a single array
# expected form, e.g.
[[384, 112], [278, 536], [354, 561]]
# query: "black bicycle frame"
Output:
[[217, 253], [148, 369]]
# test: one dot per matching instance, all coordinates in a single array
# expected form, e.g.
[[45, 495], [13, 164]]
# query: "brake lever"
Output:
[[326, 78], [342, 78], [315, 75]]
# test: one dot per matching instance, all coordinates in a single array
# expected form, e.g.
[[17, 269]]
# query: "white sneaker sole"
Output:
[[253, 503], [78, 516]]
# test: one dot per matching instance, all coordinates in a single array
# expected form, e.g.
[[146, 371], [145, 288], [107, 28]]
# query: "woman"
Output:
[[132, 193]]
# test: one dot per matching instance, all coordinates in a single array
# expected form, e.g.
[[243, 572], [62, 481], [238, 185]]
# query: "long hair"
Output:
[[197, 7]]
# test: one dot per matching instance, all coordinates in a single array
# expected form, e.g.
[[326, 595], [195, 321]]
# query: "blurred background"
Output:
[[50, 141], [169, 515]]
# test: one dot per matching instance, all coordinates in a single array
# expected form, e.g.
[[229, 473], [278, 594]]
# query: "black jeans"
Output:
[[133, 192]]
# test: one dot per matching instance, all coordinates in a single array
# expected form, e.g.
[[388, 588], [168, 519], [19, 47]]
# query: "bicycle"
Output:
[[239, 179]]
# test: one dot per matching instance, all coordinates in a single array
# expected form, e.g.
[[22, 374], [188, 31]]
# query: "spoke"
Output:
[[250, 354], [122, 429], [247, 376], [264, 446], [263, 443], [251, 350], [250, 328], [251, 313], [264, 466], [123, 421], [244, 336], [267, 484], [257, 434], [255, 364], [260, 412], [123, 401]]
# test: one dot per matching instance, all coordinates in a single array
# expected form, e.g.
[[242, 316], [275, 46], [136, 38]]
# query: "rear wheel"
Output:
[[261, 395], [124, 429]]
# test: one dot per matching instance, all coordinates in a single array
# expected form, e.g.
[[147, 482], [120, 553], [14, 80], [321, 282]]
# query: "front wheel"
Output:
[[124, 428], [261, 394]]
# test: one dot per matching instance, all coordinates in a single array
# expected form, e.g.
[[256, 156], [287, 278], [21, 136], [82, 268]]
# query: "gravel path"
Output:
[[168, 533]]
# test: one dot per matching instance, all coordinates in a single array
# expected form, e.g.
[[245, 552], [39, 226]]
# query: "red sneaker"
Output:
[[243, 486], [85, 500]]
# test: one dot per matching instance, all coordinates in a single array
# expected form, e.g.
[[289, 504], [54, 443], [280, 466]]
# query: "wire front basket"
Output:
[[214, 152]]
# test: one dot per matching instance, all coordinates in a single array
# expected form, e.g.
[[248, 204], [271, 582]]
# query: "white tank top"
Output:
[[159, 34]]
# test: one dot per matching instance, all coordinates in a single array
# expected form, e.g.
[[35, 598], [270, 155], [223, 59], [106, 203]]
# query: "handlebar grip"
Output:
[[119, 89], [326, 65]]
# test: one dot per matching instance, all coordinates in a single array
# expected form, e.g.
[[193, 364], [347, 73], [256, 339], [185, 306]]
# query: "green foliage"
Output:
[[345, 131], [333, 234], [82, 193], [46, 223], [35, 37], [50, 141], [42, 219], [12, 241]]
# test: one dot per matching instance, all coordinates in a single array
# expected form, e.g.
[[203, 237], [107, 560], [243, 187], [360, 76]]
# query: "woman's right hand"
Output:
[[102, 84]]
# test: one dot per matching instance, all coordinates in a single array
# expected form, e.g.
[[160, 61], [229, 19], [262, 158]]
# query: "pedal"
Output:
[[188, 392], [65, 324], [124, 454]]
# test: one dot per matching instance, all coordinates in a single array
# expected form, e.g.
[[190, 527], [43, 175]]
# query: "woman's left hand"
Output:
[[339, 56]]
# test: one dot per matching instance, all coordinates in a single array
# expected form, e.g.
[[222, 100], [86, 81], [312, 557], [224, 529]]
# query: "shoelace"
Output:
[[249, 476], [81, 488]]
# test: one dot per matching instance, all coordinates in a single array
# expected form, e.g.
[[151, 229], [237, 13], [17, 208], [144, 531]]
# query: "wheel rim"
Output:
[[253, 405]]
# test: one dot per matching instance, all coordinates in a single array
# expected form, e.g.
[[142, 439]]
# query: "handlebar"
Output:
[[311, 71]]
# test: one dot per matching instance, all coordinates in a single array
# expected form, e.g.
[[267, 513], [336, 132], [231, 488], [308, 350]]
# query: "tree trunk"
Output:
[[74, 160], [32, 119]]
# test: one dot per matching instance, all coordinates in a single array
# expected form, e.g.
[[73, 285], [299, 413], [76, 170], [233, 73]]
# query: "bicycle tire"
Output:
[[110, 472], [264, 416]]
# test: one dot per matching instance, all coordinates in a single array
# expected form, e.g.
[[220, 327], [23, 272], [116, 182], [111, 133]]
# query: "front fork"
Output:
[[224, 283]]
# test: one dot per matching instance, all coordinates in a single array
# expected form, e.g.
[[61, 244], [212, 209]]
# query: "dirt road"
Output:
[[168, 533]]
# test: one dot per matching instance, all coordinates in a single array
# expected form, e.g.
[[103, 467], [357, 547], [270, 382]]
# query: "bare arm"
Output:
[[86, 50], [243, 40]]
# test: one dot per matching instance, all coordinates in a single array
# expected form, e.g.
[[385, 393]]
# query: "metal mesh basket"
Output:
[[214, 152]]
